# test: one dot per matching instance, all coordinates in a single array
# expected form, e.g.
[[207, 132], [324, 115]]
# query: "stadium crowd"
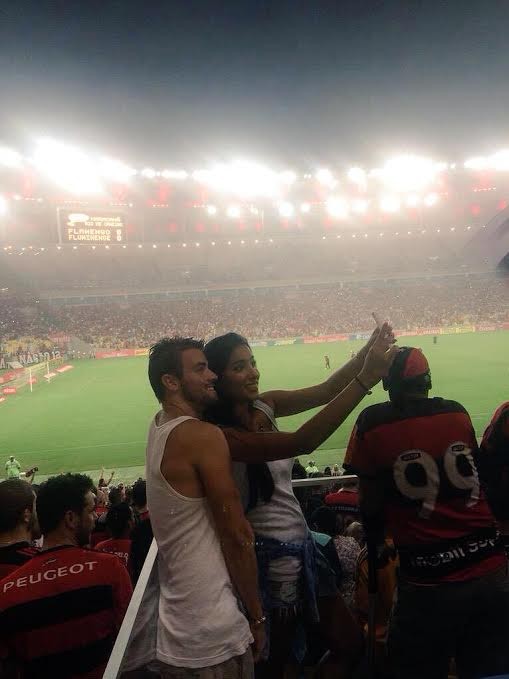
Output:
[[265, 313], [330, 558]]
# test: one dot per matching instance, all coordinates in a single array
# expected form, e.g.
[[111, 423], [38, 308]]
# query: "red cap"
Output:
[[415, 364]]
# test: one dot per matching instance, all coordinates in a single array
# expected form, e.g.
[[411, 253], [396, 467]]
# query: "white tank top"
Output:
[[200, 623], [282, 517]]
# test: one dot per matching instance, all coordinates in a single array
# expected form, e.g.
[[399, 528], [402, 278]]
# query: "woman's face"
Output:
[[239, 381]]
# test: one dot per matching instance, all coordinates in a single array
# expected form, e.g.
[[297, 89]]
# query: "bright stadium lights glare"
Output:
[[242, 178], [70, 168], [305, 208], [288, 177], [10, 158], [430, 200], [337, 207], [325, 178], [3, 206], [408, 173], [412, 200], [498, 161], [211, 210], [286, 209], [360, 206], [174, 174], [389, 204], [115, 171], [357, 176], [148, 173], [233, 212]]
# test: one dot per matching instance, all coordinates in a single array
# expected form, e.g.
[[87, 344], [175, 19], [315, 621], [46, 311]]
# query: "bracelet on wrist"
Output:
[[363, 386], [258, 621]]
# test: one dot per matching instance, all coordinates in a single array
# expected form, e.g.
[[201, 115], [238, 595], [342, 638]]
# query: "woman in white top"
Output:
[[282, 534]]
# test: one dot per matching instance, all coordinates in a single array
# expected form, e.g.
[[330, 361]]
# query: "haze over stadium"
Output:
[[298, 174]]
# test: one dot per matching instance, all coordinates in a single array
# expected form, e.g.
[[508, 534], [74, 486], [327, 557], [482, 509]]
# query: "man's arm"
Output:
[[211, 460], [286, 403]]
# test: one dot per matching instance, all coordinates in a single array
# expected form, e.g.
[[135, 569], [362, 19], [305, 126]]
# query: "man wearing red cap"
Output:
[[419, 484]]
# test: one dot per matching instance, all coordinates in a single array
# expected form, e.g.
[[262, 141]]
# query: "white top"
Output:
[[200, 623], [282, 517]]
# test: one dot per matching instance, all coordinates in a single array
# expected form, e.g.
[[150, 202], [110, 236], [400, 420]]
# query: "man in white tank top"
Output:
[[206, 547]]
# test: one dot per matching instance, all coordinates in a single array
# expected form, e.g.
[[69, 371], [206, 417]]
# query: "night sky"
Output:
[[290, 81]]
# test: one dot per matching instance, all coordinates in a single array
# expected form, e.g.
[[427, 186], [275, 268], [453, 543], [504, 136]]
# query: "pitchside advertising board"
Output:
[[90, 226]]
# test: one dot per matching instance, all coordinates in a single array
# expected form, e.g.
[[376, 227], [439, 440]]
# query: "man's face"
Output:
[[197, 381], [86, 521]]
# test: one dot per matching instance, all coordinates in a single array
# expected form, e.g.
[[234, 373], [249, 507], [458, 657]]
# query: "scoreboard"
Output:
[[90, 226]]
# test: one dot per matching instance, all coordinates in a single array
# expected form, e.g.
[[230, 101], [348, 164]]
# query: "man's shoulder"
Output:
[[387, 413], [195, 436]]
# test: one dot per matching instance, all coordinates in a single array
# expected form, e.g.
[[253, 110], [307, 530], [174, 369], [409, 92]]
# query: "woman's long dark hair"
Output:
[[218, 352]]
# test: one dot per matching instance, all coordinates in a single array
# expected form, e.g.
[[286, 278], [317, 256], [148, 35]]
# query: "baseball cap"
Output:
[[410, 369]]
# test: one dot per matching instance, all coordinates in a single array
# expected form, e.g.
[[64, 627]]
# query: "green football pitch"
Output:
[[98, 413]]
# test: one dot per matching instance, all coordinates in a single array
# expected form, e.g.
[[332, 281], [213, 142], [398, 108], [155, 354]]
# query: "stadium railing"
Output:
[[118, 662]]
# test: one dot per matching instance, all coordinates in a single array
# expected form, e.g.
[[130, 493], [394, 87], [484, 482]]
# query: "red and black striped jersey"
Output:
[[61, 611], [422, 459], [15, 555]]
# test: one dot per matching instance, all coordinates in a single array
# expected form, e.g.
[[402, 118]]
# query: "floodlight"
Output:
[[233, 211], [389, 204], [431, 199], [408, 173], [360, 206], [67, 166], [115, 170], [326, 178], [337, 207], [286, 209]]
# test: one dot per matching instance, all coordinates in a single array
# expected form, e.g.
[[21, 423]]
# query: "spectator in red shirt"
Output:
[[119, 524], [419, 484], [18, 525], [61, 611]]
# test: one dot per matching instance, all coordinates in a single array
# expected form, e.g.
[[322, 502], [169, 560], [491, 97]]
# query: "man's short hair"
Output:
[[118, 518], [139, 493], [165, 358], [15, 496], [58, 495]]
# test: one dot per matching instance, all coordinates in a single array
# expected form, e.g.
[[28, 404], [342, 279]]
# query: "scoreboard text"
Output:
[[91, 226]]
